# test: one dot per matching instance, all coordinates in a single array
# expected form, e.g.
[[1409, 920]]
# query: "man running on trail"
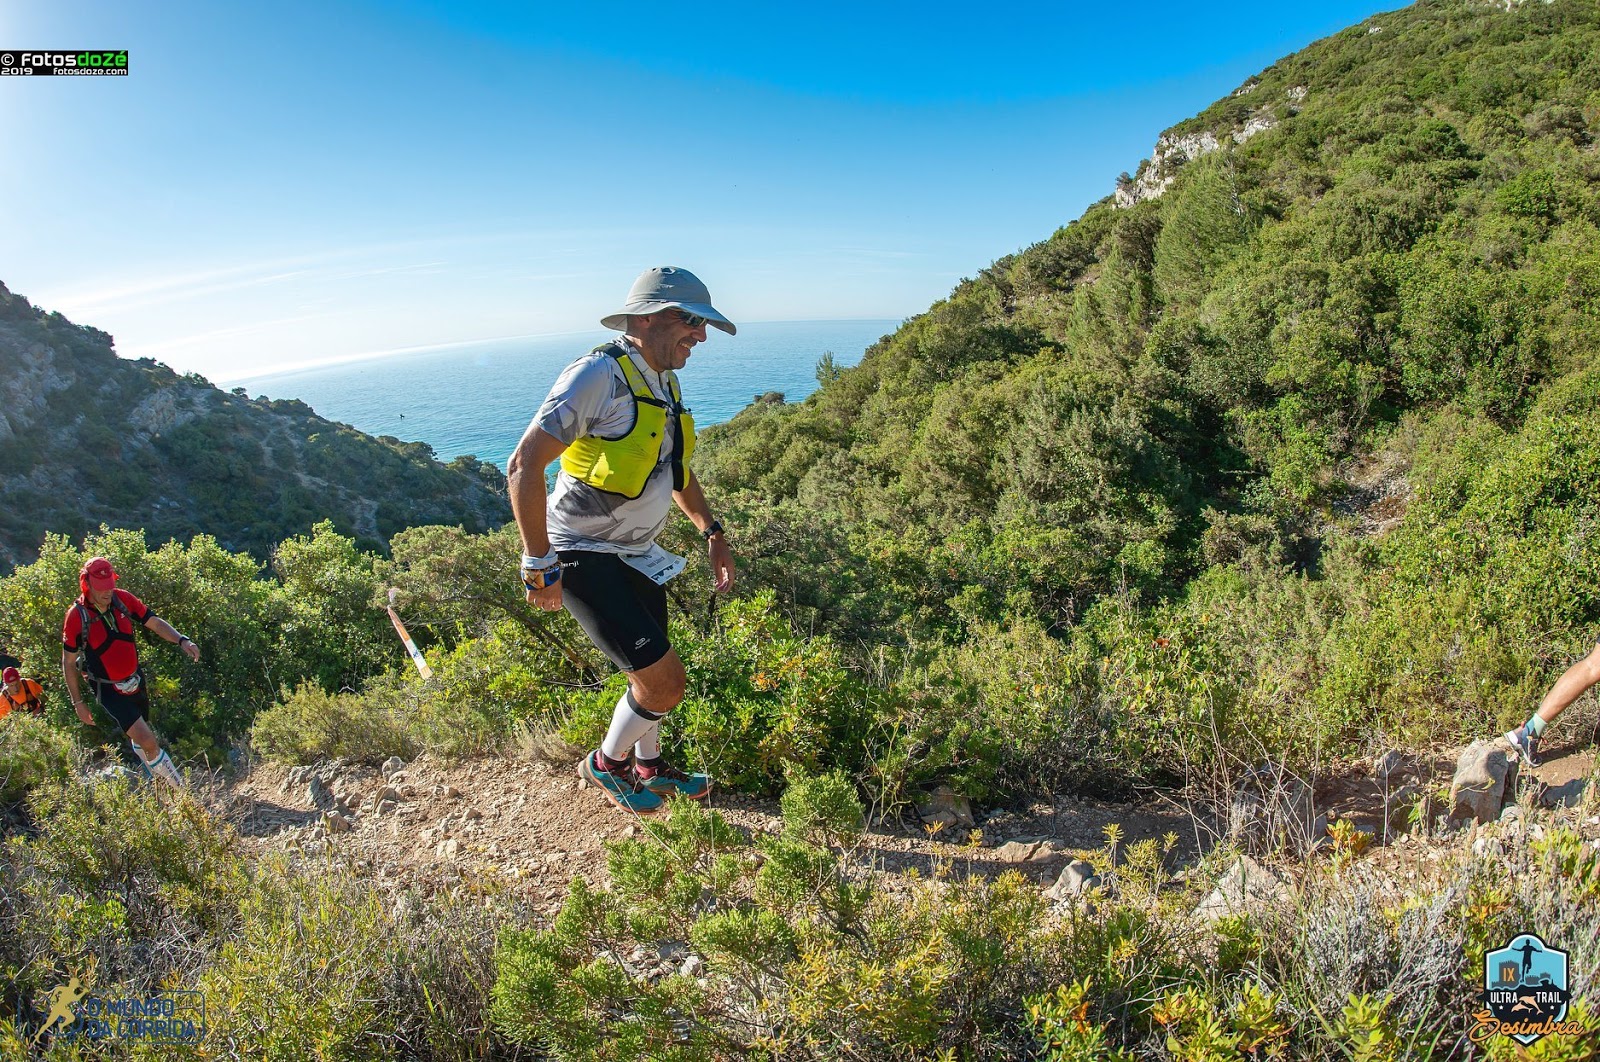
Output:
[[18, 694], [100, 625], [616, 420], [1568, 688]]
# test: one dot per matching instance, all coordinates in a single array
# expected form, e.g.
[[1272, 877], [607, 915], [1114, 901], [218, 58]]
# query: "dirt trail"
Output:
[[530, 826]]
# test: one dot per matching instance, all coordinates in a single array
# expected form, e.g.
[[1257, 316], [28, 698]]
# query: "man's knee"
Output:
[[141, 734], [1591, 667], [659, 687]]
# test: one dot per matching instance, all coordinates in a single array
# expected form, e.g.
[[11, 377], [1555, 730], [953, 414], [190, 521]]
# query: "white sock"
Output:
[[629, 723], [648, 746], [163, 768], [139, 753]]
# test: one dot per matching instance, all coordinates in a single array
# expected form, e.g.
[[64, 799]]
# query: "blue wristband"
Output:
[[539, 578]]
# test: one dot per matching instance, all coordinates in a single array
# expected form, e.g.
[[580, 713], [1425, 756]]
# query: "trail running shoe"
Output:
[[669, 782], [620, 786], [1526, 744]]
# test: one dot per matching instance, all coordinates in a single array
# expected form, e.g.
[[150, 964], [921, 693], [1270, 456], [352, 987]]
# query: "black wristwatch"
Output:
[[714, 529]]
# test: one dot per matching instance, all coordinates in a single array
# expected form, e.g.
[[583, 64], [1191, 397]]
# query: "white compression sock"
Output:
[[629, 723], [648, 745], [162, 767]]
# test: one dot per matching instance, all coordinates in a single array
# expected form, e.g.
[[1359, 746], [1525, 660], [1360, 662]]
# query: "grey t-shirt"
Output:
[[592, 397]]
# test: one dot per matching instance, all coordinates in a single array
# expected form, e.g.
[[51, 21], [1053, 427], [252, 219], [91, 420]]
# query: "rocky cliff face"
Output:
[[1172, 150], [88, 438]]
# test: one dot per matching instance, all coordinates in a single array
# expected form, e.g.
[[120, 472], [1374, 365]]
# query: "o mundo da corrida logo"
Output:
[[74, 1013], [1524, 992]]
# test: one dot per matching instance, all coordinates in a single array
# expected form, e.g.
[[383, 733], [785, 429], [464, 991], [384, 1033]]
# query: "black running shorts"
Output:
[[621, 610], [125, 708]]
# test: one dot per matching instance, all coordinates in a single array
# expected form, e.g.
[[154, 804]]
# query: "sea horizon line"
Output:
[[376, 355]]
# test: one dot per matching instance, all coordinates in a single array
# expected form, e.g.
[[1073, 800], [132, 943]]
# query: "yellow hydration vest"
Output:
[[622, 464]]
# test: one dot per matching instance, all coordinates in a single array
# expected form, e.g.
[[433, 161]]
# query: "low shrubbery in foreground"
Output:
[[137, 892], [710, 944]]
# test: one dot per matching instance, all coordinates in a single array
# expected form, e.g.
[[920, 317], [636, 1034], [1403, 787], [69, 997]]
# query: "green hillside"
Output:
[[88, 438], [1325, 366]]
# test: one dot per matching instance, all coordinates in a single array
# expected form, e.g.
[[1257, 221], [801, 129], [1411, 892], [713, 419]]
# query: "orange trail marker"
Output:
[[411, 647]]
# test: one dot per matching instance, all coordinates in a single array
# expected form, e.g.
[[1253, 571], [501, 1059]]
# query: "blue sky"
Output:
[[276, 185]]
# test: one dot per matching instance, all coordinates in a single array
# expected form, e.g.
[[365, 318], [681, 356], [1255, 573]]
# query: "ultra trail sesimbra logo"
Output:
[[1524, 992]]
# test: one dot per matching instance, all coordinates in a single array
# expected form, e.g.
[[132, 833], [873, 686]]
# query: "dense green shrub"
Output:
[[32, 753], [310, 724]]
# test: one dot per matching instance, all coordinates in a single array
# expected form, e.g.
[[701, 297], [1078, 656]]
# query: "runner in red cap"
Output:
[[100, 625]]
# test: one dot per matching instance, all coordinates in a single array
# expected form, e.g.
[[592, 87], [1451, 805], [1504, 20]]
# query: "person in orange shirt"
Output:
[[19, 693]]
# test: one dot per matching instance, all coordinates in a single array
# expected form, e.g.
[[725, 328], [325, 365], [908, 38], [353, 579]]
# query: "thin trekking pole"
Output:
[[411, 647]]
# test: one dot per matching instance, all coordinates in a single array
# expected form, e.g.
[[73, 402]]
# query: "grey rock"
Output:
[[1015, 852], [335, 823], [1244, 887], [318, 795], [1075, 880], [448, 848], [947, 806], [1484, 775]]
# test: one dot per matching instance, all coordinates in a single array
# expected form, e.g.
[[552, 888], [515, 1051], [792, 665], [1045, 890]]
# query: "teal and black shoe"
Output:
[[621, 786], [667, 782]]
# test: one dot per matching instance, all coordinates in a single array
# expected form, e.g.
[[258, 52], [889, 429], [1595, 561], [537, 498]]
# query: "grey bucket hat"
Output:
[[662, 288]]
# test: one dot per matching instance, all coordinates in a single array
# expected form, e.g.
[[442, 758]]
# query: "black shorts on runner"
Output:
[[125, 708], [621, 610]]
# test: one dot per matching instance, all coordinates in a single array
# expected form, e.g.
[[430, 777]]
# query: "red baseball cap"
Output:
[[99, 574], [11, 675]]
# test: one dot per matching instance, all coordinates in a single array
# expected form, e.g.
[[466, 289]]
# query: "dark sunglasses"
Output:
[[693, 320]]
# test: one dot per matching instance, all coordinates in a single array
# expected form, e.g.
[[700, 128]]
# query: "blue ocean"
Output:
[[477, 398]]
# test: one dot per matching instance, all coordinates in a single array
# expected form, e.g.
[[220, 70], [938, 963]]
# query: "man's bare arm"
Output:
[[69, 675], [167, 632], [525, 483], [692, 500]]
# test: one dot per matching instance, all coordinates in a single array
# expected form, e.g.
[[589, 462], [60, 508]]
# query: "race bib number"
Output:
[[658, 565]]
